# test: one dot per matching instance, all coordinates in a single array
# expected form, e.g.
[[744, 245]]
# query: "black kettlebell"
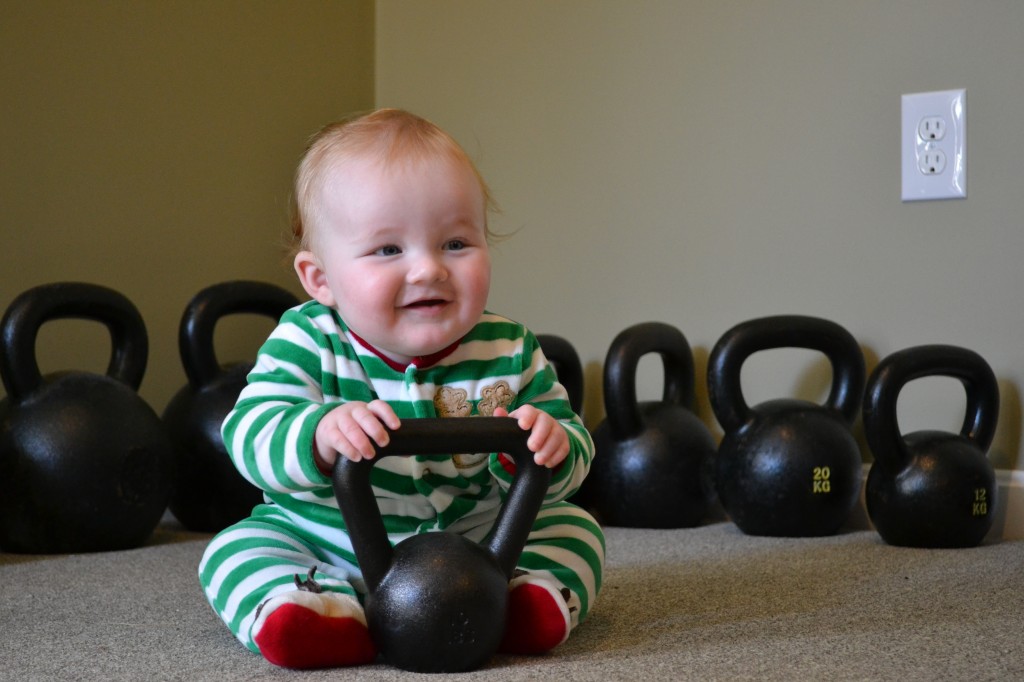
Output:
[[931, 488], [85, 463], [437, 601], [647, 470], [566, 361], [787, 467], [209, 493]]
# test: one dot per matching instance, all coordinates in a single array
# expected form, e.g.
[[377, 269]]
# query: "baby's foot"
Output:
[[537, 619], [302, 629]]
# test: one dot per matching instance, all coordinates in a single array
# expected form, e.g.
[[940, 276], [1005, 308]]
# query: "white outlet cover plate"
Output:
[[951, 183]]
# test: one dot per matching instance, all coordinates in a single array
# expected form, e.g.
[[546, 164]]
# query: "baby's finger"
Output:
[[385, 414], [553, 453], [540, 431], [358, 431], [344, 447]]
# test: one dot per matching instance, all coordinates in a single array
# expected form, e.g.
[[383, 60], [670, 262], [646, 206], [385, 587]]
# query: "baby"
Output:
[[392, 247]]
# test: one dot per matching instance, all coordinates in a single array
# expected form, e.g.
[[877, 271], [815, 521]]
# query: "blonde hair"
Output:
[[388, 134]]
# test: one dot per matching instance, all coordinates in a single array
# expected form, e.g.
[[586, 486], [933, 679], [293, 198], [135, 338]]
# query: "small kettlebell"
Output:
[[85, 463], [787, 467], [647, 470], [931, 488], [437, 601], [209, 493], [566, 361]]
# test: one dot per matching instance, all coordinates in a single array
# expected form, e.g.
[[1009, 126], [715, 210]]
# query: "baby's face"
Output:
[[404, 252]]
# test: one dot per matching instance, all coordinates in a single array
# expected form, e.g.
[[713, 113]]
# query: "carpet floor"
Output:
[[706, 603]]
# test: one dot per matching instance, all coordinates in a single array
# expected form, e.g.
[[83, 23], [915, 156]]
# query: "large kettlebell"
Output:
[[437, 601], [209, 492], [647, 471], [85, 463], [931, 488], [566, 361], [787, 467]]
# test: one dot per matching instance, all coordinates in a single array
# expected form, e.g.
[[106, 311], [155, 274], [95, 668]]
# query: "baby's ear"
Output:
[[313, 278]]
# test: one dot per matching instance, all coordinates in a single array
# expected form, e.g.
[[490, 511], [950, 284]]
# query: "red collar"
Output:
[[419, 362]]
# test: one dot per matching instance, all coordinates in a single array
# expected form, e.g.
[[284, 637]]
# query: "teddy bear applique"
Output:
[[453, 402]]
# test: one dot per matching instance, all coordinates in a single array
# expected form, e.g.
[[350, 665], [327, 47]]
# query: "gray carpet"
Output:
[[708, 603]]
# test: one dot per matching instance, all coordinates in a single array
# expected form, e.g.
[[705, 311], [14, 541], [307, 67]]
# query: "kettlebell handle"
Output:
[[621, 362], [195, 333], [725, 391], [561, 354], [20, 326], [439, 436], [881, 426]]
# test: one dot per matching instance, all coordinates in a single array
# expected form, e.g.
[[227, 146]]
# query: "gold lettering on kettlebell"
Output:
[[821, 480], [980, 507]]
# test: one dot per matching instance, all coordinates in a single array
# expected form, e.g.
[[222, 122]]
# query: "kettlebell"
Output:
[[209, 492], [566, 361], [787, 467], [85, 463], [437, 601], [647, 470], [931, 488]]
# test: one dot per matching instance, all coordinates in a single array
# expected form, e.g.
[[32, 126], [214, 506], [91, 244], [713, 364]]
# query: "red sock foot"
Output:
[[307, 630], [537, 620]]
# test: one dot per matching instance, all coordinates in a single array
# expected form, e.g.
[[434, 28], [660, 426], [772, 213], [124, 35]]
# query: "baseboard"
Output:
[[1008, 512]]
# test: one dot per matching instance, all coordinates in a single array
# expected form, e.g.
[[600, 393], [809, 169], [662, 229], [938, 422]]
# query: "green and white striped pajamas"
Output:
[[310, 363]]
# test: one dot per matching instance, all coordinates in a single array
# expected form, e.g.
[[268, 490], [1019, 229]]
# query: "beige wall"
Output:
[[698, 163], [703, 163], [148, 146]]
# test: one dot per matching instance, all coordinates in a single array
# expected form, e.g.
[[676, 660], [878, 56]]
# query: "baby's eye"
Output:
[[389, 250], [455, 245]]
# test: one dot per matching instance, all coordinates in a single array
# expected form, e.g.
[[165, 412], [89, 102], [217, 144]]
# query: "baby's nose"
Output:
[[427, 268]]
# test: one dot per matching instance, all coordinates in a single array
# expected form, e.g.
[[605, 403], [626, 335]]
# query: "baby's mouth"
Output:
[[426, 304]]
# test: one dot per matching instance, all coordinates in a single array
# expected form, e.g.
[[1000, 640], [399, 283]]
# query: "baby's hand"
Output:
[[351, 429], [548, 441]]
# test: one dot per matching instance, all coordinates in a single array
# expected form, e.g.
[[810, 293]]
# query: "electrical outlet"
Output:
[[932, 128], [932, 162], [934, 145]]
